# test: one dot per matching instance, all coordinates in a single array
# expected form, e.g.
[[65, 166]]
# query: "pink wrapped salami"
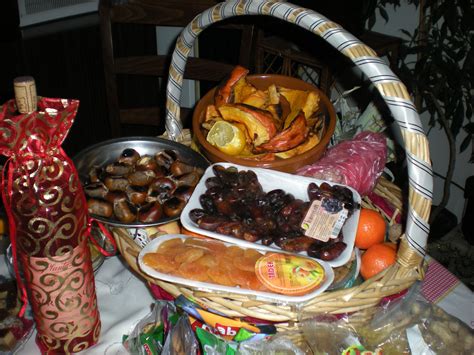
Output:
[[358, 162]]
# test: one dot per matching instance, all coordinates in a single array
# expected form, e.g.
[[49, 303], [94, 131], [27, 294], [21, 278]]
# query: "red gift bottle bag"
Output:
[[49, 224]]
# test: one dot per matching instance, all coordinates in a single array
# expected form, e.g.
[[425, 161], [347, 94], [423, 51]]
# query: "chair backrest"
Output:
[[130, 26]]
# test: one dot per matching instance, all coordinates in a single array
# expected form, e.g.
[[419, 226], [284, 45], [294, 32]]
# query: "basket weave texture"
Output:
[[364, 297]]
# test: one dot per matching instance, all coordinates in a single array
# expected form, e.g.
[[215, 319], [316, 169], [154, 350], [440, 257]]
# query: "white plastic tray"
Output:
[[210, 287], [270, 180]]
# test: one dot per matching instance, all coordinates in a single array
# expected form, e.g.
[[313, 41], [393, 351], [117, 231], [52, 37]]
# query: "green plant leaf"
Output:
[[406, 33], [469, 128], [465, 143], [383, 13], [468, 111]]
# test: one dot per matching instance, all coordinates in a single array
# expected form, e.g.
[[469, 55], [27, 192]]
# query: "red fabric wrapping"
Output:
[[48, 222], [385, 206]]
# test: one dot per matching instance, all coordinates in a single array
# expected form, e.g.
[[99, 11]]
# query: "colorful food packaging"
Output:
[[213, 344], [149, 335], [289, 274], [181, 339], [217, 323]]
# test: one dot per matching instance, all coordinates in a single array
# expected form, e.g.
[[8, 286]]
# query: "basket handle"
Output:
[[392, 90]]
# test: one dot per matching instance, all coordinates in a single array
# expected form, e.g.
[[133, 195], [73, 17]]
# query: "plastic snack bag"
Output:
[[414, 325], [149, 334], [212, 344], [358, 162], [328, 334], [284, 343], [227, 327], [181, 339]]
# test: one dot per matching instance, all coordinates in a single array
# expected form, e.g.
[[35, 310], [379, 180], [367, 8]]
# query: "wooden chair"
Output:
[[130, 75]]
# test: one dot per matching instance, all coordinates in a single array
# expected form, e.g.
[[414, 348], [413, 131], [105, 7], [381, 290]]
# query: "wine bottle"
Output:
[[48, 220]]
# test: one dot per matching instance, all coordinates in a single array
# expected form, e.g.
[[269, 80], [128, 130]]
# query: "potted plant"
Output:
[[436, 65]]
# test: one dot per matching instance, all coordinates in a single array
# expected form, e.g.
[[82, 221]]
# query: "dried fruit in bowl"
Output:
[[307, 101], [225, 93], [275, 120], [287, 139], [259, 123], [309, 143]]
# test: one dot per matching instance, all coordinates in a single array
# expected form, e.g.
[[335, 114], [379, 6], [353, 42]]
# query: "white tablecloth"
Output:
[[124, 299]]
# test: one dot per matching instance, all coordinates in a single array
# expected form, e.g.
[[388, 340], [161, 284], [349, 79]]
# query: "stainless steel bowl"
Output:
[[106, 152]]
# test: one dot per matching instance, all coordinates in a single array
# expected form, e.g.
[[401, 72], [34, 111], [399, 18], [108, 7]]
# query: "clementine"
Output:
[[376, 259], [370, 230]]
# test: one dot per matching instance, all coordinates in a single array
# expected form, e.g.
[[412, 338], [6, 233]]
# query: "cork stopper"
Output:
[[25, 94]]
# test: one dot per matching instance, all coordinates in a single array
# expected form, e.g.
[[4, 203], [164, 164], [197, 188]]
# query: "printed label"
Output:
[[289, 274], [62, 294], [324, 219]]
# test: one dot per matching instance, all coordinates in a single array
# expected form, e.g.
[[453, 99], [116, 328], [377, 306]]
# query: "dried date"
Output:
[[327, 252]]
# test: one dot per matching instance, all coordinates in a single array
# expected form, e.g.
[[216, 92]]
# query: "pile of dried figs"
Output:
[[141, 189], [235, 204]]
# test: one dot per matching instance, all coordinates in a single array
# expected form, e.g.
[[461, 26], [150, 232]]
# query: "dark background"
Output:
[[65, 58]]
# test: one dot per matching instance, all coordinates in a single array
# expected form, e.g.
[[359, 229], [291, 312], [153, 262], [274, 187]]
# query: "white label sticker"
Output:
[[324, 219], [139, 236]]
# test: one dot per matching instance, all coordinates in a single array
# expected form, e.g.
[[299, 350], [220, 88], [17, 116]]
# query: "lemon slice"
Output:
[[227, 137]]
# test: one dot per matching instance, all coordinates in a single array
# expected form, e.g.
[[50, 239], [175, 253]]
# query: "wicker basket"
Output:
[[364, 297]]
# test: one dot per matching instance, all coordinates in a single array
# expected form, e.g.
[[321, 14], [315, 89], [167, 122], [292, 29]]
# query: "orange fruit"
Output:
[[370, 230], [375, 259]]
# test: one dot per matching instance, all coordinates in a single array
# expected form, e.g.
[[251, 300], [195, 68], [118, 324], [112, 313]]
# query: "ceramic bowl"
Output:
[[289, 165]]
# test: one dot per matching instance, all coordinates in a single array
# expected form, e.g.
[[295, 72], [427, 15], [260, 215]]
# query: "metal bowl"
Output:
[[106, 152]]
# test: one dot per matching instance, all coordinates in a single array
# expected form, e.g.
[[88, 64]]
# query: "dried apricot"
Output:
[[207, 244], [248, 260], [252, 253], [193, 271], [207, 260], [160, 262], [172, 252], [220, 276], [241, 278], [171, 243], [189, 255], [234, 251], [224, 261], [255, 284]]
